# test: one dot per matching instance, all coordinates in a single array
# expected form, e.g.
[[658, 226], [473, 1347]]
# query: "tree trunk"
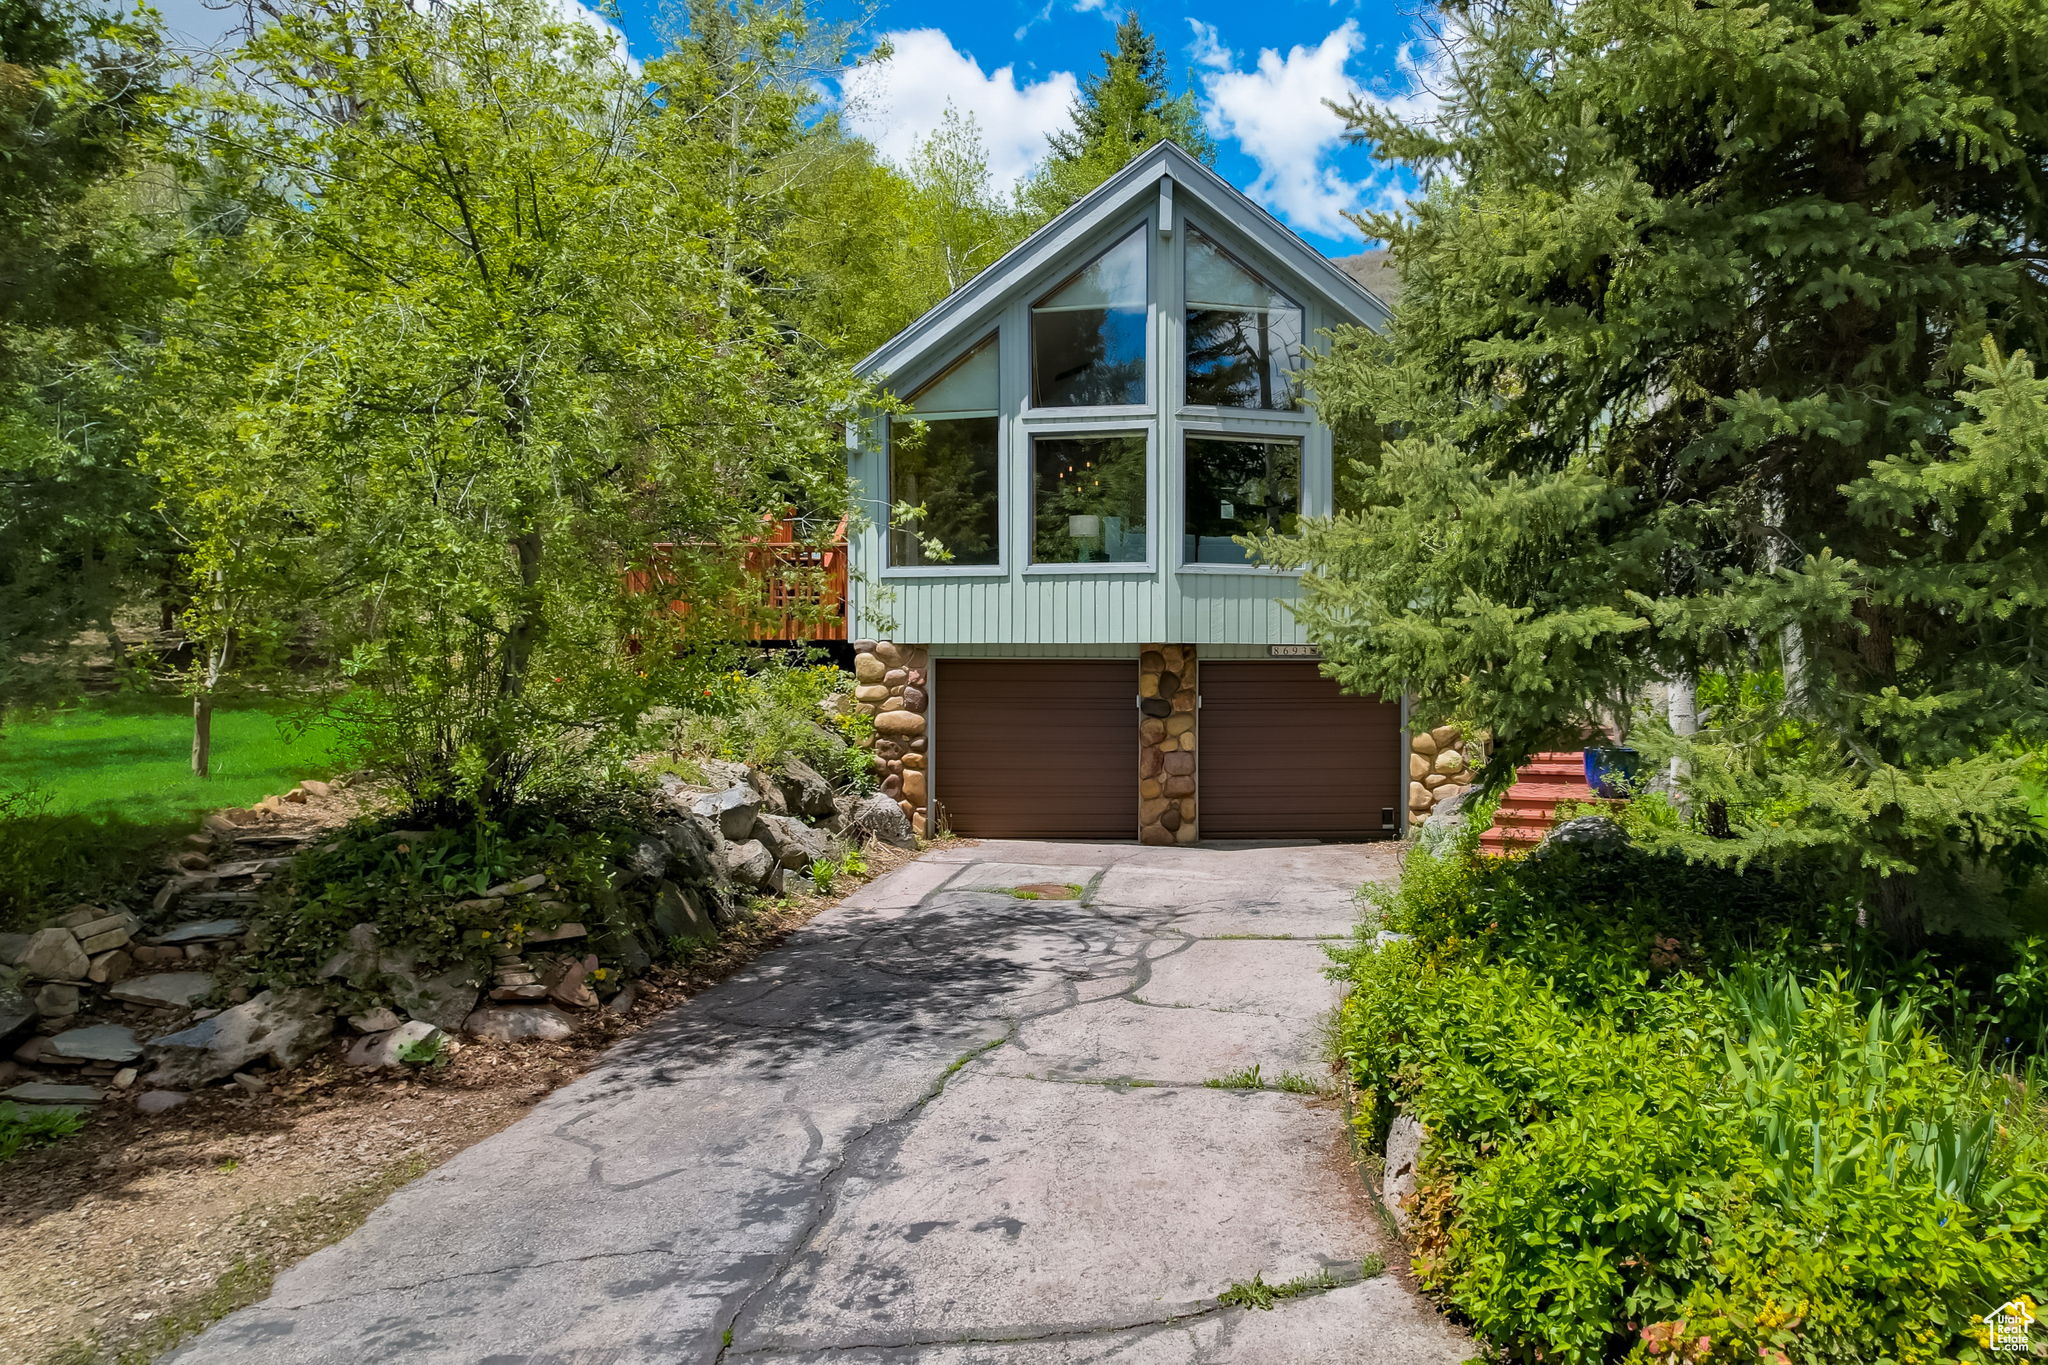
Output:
[[202, 734], [1898, 913], [1682, 708]]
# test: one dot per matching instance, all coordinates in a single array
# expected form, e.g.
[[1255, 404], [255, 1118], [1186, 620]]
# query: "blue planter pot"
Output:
[[1612, 772]]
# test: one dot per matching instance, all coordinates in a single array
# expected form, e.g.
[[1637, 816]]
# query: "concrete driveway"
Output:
[[941, 1125]]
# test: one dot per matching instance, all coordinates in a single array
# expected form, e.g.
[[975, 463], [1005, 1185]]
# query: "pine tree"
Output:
[[1707, 367], [1118, 114]]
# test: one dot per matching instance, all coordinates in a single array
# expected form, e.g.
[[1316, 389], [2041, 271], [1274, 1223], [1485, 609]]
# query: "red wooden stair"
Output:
[[1530, 807]]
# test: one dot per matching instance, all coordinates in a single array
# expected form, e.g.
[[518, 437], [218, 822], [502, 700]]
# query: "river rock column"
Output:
[[1439, 767], [1166, 745], [889, 684]]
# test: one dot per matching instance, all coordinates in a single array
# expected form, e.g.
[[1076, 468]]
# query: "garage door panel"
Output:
[[1285, 752], [1038, 748]]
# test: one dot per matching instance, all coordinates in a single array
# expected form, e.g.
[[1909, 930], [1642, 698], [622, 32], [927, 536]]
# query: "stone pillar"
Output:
[[1439, 767], [889, 684], [1166, 745]]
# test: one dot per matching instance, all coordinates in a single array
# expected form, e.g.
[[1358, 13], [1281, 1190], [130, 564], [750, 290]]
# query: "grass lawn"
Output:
[[129, 760]]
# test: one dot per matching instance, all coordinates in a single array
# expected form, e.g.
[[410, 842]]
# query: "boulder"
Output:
[[357, 961], [287, 1027], [519, 1023], [17, 1017], [1448, 761], [159, 1101], [649, 859], [99, 1043], [443, 999], [695, 842], [1589, 835], [794, 844], [871, 693], [1423, 745], [1404, 1157], [679, 913], [315, 788], [106, 933], [878, 817], [53, 954], [56, 1000], [113, 965], [165, 990], [748, 863], [869, 670], [732, 811], [383, 1049], [520, 887], [772, 800], [378, 1020], [805, 789]]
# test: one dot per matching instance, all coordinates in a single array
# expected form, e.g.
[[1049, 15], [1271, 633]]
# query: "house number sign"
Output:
[[1294, 652]]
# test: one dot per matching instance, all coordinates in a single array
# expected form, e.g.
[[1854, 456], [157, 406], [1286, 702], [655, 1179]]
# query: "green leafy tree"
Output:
[[498, 328], [1707, 367], [1121, 110], [79, 275], [880, 245]]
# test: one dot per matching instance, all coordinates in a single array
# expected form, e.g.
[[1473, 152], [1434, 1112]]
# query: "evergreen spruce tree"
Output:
[[1709, 367], [1119, 113]]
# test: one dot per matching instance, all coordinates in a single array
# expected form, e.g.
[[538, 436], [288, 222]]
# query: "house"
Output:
[[1065, 640]]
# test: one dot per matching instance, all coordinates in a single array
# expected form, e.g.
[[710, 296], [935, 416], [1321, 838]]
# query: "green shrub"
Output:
[[21, 1129], [413, 883], [773, 711], [1683, 1115]]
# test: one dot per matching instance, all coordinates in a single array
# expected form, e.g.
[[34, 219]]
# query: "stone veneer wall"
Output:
[[1167, 813], [889, 684], [1438, 769]]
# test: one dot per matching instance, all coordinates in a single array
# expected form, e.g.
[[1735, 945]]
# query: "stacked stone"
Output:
[[86, 948], [1438, 769], [889, 684], [1166, 745]]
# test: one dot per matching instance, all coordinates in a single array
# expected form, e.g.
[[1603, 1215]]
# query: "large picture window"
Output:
[[943, 457], [1088, 335], [1088, 499], [1243, 335], [1238, 487]]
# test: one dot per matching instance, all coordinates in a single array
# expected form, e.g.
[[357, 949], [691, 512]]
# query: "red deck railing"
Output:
[[793, 589]]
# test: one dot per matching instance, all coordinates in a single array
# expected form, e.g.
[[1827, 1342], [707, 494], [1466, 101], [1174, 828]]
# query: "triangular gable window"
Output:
[[1243, 335], [1088, 335]]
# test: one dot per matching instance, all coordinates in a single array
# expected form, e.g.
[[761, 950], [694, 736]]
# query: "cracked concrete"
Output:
[[939, 1126]]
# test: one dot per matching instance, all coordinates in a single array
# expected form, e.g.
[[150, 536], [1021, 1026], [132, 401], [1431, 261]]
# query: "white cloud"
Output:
[[1275, 112], [1207, 49], [895, 104]]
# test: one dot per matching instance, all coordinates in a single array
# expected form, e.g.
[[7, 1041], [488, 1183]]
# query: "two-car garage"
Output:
[[1049, 748]]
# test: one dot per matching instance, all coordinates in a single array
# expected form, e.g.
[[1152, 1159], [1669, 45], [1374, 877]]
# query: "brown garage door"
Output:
[[1037, 748], [1285, 754]]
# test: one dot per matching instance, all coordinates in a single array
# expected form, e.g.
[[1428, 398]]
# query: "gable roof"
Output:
[[1193, 183]]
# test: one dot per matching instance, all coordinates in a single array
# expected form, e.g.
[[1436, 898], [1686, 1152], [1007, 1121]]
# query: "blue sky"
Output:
[[1259, 74]]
